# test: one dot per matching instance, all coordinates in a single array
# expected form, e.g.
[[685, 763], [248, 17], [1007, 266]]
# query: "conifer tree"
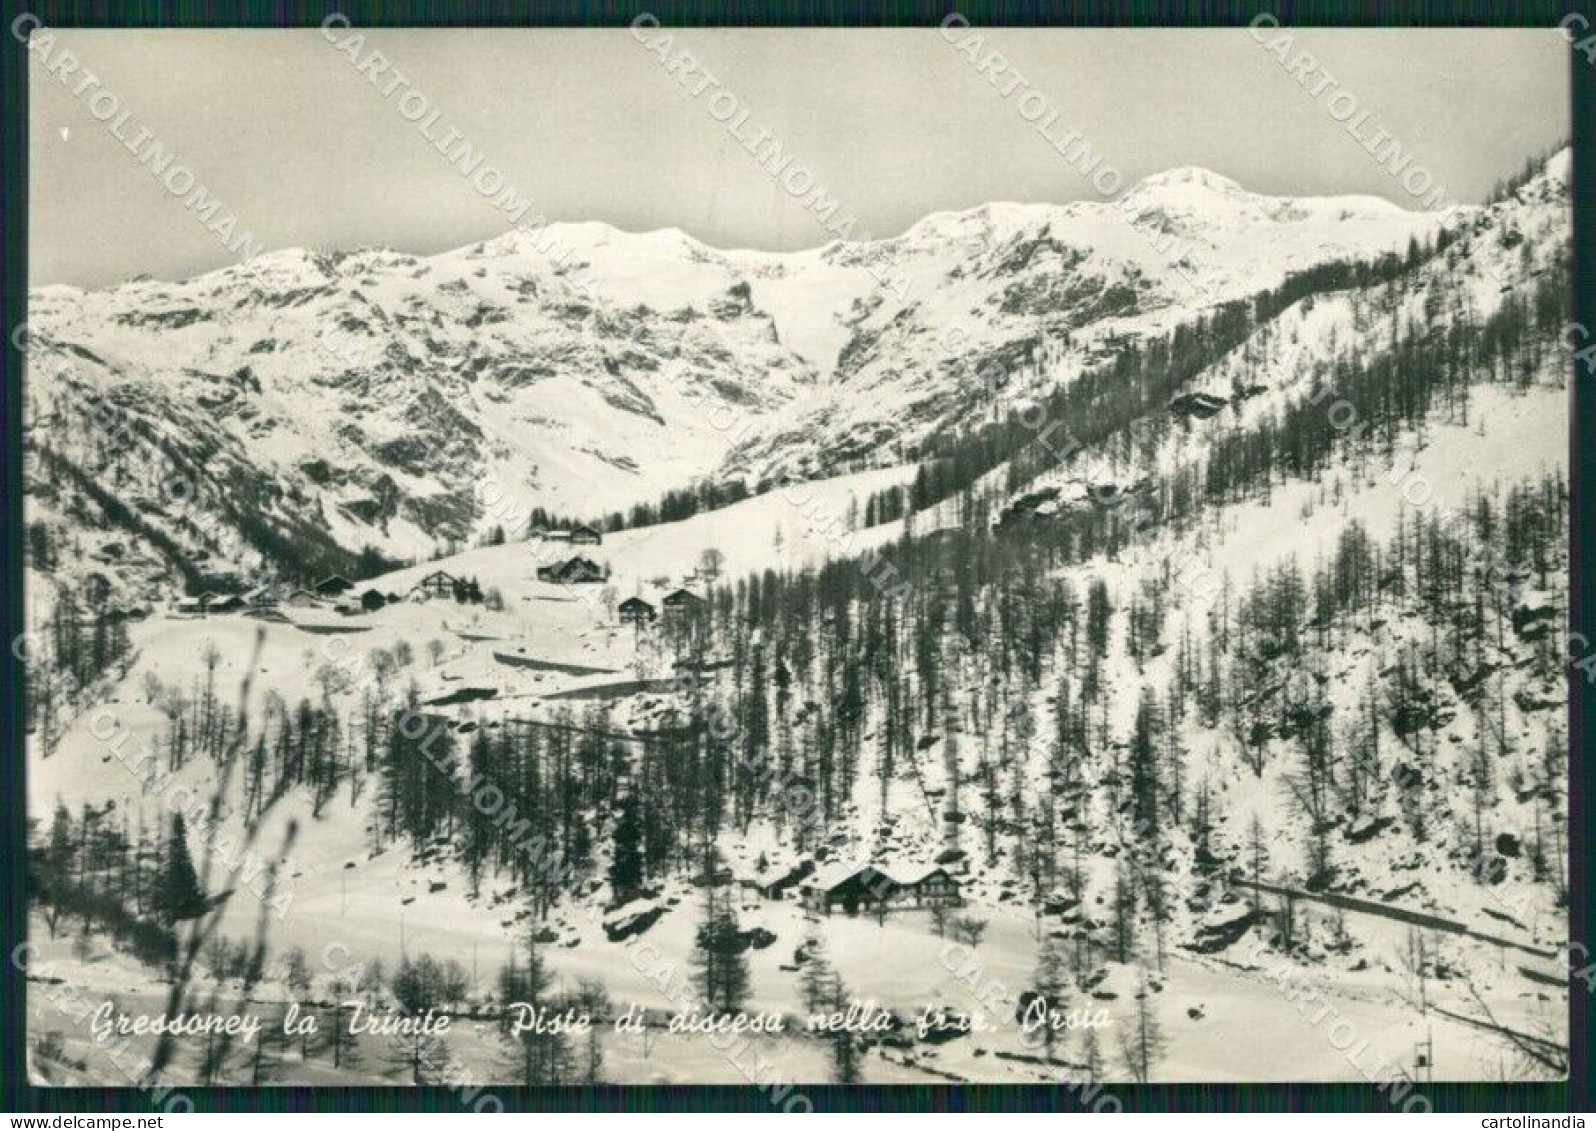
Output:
[[1142, 1042], [720, 969], [626, 853], [178, 894], [56, 868], [540, 1057]]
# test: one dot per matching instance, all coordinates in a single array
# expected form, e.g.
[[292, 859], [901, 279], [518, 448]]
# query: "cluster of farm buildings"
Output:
[[336, 590], [855, 889]]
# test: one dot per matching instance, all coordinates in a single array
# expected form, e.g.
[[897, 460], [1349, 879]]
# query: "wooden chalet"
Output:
[[775, 883], [585, 536], [635, 610], [574, 570], [334, 585], [866, 888], [933, 887], [683, 602], [372, 600], [435, 584], [852, 889]]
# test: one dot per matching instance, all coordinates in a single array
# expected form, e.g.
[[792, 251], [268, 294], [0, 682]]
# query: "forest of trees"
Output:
[[231, 525], [1137, 385], [85, 640], [130, 881]]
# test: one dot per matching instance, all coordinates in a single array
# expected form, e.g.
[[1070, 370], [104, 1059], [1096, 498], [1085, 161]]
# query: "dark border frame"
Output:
[[16, 1095]]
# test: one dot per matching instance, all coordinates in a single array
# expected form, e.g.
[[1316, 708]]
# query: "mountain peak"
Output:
[[1191, 176]]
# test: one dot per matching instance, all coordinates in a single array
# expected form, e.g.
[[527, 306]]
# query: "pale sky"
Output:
[[895, 124]]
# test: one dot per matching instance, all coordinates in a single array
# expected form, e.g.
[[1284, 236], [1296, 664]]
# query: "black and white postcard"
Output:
[[787, 557]]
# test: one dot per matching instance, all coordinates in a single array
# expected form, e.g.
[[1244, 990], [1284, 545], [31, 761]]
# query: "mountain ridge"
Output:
[[369, 393], [1180, 175]]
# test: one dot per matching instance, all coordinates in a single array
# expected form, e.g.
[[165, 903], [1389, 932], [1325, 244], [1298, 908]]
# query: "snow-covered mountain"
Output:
[[330, 402], [1252, 705]]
